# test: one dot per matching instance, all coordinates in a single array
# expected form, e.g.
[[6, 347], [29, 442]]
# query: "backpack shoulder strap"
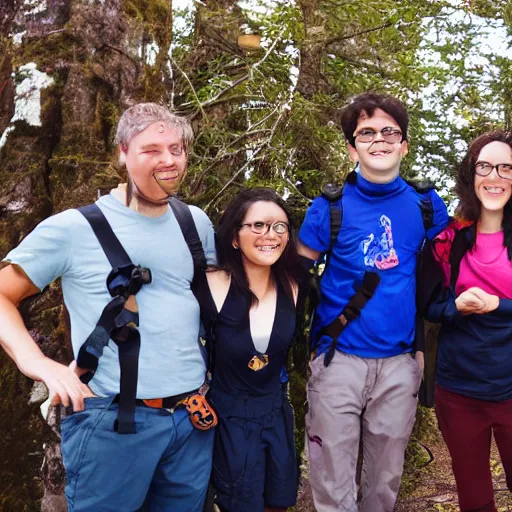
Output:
[[199, 285], [335, 219], [116, 322], [109, 242], [462, 242], [423, 188], [188, 228], [334, 194]]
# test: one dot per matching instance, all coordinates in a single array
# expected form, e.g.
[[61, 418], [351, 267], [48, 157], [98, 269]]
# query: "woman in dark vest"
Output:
[[474, 366], [250, 307]]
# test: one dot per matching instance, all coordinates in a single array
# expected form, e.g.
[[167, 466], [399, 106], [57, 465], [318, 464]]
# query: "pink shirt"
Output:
[[486, 266]]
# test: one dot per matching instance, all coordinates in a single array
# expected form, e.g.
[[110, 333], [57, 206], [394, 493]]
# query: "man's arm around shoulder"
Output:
[[63, 384], [307, 252], [440, 215]]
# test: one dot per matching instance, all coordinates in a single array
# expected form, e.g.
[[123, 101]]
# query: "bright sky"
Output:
[[492, 42]]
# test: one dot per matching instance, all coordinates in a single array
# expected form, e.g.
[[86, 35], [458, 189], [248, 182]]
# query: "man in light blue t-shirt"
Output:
[[166, 464]]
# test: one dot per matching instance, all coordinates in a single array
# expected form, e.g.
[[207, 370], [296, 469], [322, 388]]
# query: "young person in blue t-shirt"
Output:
[[364, 381]]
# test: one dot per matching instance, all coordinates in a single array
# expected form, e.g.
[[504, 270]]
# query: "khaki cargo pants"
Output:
[[377, 397]]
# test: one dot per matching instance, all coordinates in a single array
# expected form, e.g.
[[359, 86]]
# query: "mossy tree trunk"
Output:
[[90, 52]]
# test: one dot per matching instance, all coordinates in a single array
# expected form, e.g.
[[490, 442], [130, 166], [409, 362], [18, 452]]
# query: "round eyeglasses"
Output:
[[389, 134], [485, 168], [259, 227]]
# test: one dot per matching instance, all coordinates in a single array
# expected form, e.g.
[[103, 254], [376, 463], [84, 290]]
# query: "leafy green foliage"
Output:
[[271, 117]]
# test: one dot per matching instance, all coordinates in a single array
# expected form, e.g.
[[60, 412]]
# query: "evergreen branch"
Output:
[[211, 103], [219, 101], [269, 51], [215, 161], [338, 39], [290, 182], [265, 144], [238, 81], [234, 177], [225, 154], [266, 118], [249, 75], [200, 105]]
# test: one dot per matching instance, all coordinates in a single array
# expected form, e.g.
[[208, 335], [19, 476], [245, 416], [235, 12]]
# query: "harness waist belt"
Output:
[[168, 402]]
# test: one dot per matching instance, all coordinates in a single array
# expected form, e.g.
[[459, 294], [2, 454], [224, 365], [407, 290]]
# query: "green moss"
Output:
[[298, 400], [23, 432], [44, 50]]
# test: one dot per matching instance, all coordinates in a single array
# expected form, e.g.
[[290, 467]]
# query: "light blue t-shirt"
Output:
[[64, 245]]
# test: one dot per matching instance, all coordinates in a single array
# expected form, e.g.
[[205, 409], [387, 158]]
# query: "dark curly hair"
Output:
[[368, 102], [469, 205], [285, 271]]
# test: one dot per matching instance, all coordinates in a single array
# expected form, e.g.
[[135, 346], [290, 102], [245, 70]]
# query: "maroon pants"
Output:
[[467, 425]]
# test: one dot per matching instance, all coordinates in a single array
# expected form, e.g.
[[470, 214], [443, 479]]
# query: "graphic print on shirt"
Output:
[[378, 249]]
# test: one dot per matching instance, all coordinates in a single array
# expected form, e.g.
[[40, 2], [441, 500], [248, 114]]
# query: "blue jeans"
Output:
[[165, 466]]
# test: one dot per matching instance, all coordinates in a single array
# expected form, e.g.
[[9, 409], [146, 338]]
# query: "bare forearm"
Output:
[[15, 339], [62, 382], [307, 252]]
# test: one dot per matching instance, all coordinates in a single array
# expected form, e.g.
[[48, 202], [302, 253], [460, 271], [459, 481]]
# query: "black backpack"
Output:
[[430, 289]]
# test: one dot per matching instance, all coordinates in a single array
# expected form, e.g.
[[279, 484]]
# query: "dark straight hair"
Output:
[[286, 271], [469, 205], [368, 102]]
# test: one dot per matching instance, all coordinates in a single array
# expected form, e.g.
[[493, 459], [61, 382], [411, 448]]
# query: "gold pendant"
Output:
[[258, 362]]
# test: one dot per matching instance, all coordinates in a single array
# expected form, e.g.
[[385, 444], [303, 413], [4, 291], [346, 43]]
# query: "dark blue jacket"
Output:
[[475, 351]]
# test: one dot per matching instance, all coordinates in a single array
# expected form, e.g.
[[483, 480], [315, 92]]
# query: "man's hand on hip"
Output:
[[64, 385]]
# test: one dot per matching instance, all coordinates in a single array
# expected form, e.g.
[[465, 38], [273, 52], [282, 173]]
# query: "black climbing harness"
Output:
[[117, 322]]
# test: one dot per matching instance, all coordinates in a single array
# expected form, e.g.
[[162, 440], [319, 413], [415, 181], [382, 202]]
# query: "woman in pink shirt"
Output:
[[474, 365]]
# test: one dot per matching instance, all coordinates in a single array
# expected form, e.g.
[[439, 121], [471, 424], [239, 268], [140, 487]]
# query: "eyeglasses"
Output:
[[485, 168], [260, 228], [389, 134]]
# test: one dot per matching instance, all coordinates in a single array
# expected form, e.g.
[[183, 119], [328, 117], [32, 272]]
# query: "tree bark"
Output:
[[89, 50]]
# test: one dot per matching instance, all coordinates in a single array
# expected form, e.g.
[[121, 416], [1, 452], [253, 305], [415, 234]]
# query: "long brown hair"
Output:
[[470, 206]]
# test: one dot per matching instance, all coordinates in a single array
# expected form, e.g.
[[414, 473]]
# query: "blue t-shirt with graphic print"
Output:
[[382, 230]]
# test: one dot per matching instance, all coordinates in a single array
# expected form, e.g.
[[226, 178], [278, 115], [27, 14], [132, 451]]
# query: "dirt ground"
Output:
[[431, 488]]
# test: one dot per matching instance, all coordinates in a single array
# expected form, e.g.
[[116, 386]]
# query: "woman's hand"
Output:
[[476, 301]]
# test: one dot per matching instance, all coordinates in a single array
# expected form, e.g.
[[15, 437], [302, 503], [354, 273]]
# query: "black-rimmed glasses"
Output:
[[260, 228], [485, 168], [389, 134]]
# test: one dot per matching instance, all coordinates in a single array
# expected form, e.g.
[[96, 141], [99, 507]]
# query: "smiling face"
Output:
[[156, 161], [379, 160], [493, 191], [266, 248]]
